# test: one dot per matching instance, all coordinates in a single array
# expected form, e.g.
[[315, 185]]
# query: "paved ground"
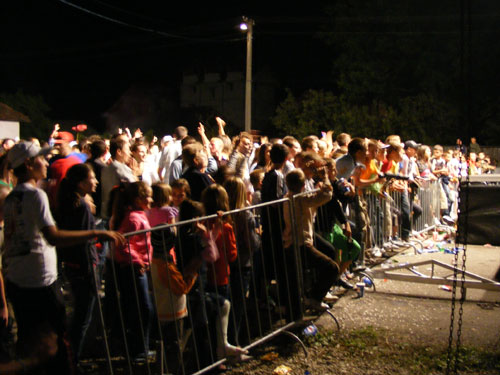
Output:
[[422, 312]]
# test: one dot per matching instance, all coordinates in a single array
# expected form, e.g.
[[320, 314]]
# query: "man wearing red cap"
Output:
[[64, 161]]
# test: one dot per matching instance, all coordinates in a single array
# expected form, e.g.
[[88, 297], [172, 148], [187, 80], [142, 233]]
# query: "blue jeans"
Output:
[[137, 308], [84, 291]]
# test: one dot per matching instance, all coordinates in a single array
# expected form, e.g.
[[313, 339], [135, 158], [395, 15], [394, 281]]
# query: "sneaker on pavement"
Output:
[[448, 220], [344, 284], [316, 305], [330, 297]]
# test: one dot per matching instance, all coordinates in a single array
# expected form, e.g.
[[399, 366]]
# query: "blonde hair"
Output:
[[236, 191]]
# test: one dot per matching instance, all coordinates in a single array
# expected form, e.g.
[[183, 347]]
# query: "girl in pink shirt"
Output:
[[132, 261], [161, 212]]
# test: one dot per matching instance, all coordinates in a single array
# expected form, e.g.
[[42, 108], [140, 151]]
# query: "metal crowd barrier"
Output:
[[384, 212], [428, 196], [263, 298], [197, 331]]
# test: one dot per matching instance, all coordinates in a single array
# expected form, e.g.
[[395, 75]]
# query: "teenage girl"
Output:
[[132, 263], [215, 201], [248, 242], [180, 192], [74, 213]]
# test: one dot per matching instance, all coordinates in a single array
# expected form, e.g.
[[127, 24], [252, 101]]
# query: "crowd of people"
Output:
[[66, 205]]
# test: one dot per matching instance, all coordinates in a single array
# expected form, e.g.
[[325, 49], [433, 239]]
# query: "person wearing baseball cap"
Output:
[[412, 144], [24, 151], [30, 261], [60, 164]]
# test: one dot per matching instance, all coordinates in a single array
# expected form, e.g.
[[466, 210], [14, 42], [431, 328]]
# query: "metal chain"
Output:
[[460, 238], [453, 299], [464, 258]]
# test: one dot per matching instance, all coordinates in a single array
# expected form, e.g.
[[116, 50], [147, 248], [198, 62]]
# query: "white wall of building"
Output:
[[9, 129]]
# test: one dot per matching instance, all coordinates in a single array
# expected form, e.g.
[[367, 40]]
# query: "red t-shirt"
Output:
[[57, 171], [226, 244]]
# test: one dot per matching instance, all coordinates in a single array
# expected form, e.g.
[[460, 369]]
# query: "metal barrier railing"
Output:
[[206, 310], [251, 293]]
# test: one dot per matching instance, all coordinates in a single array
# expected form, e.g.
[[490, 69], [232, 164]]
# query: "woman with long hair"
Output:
[[263, 159], [79, 261], [248, 243], [423, 162]]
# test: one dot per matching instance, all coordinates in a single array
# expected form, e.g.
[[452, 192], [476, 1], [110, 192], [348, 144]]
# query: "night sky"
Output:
[[81, 63]]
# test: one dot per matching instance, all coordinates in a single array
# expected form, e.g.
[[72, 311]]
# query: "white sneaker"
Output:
[[448, 220], [313, 304], [330, 297], [389, 246], [376, 252]]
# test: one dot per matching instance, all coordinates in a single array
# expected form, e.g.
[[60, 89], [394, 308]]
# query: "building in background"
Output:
[[10, 122]]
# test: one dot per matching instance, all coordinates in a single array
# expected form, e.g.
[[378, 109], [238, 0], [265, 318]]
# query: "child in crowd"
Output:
[[440, 170], [248, 243], [304, 209], [180, 192], [340, 236], [215, 200], [172, 284], [132, 263], [256, 178], [161, 212]]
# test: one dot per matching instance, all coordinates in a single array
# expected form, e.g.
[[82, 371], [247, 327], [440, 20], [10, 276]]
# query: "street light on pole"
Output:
[[247, 26]]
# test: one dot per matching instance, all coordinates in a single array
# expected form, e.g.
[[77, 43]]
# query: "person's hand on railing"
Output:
[[115, 237]]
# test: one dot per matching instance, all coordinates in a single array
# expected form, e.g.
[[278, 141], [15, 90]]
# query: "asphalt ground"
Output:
[[422, 312]]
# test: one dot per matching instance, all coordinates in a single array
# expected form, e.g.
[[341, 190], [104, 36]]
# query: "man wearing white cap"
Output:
[[30, 256]]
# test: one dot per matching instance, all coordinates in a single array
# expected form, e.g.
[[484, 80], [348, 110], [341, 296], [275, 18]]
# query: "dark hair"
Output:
[[295, 180], [215, 198], [187, 140], [161, 194], [125, 197], [7, 139], [256, 176], [308, 142], [289, 141], [223, 173], [97, 148], [190, 152], [135, 146], [20, 171], [67, 195], [356, 144], [190, 209], [115, 145], [261, 154], [279, 153], [182, 183]]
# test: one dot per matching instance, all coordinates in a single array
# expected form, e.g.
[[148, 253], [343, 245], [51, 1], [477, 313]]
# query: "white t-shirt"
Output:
[[30, 261]]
